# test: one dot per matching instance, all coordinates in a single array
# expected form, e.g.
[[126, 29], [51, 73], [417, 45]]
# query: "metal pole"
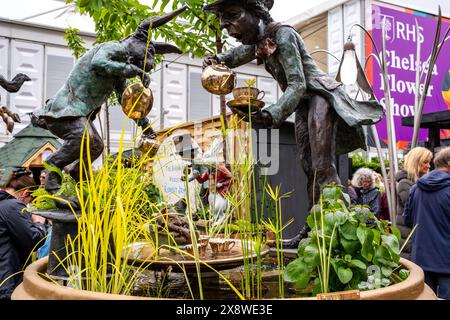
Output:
[[223, 107], [49, 11], [384, 174], [108, 141], [393, 166]]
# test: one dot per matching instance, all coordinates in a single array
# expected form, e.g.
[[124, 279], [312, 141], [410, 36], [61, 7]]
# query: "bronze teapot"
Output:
[[218, 79], [148, 146], [137, 101]]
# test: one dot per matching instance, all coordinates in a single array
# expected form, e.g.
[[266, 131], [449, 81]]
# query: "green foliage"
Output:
[[43, 200], [250, 82], [195, 32], [74, 42], [352, 238], [153, 193], [154, 200], [404, 274], [200, 31], [359, 161]]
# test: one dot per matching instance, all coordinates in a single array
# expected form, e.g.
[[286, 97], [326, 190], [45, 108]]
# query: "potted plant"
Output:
[[348, 248]]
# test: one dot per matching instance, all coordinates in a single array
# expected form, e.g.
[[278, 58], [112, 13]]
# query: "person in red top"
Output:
[[219, 184]]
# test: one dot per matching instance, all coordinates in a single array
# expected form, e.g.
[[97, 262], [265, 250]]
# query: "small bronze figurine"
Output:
[[102, 70], [327, 120], [9, 117]]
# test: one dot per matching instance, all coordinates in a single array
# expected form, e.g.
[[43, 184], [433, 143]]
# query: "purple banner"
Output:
[[401, 52]]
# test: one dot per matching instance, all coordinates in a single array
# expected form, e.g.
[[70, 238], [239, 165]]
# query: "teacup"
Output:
[[189, 248], [246, 93], [203, 240], [202, 249], [220, 245], [229, 244]]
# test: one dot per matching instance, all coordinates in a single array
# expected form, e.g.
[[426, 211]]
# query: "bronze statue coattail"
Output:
[[102, 70], [327, 120]]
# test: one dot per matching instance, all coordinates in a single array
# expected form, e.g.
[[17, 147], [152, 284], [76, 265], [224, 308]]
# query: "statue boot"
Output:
[[52, 182], [68, 203], [295, 241]]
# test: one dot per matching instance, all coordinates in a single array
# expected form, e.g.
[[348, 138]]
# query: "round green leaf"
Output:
[[367, 248], [358, 263], [347, 198], [396, 232], [362, 213], [361, 233], [391, 241], [330, 193], [350, 246], [315, 212], [302, 245], [344, 274], [382, 256], [376, 236], [348, 231], [311, 255], [298, 272], [386, 271], [404, 274]]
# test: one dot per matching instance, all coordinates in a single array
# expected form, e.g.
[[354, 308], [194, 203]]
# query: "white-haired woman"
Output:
[[367, 193]]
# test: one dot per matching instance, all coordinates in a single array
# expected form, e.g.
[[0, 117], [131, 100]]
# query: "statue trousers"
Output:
[[72, 132], [315, 131]]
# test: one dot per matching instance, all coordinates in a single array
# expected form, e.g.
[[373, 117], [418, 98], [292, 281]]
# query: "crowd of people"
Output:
[[423, 201]]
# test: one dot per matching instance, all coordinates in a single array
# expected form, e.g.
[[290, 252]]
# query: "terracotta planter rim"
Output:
[[34, 286]]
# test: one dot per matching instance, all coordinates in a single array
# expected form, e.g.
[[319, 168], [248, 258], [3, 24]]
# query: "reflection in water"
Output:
[[173, 285]]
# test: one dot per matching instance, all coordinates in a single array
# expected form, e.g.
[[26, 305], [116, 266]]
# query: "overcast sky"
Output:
[[20, 9], [285, 9]]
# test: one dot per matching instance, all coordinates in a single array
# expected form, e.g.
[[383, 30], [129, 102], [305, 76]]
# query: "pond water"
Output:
[[173, 285]]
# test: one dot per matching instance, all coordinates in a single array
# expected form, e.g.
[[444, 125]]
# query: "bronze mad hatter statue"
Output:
[[102, 70], [327, 120]]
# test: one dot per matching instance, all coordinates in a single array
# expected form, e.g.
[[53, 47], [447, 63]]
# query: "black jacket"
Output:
[[404, 184], [428, 207], [18, 237], [369, 198]]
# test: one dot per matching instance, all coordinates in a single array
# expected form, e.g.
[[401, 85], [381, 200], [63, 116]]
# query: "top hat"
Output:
[[184, 143], [217, 6]]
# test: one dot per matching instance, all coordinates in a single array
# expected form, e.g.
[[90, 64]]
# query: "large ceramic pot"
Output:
[[35, 287]]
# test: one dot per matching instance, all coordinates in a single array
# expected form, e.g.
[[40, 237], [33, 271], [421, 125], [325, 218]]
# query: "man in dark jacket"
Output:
[[428, 206], [20, 233]]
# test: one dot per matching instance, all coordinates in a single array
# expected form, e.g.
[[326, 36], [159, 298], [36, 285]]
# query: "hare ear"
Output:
[[160, 20], [163, 48]]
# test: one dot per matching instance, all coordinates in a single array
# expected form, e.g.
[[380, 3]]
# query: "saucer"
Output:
[[243, 104]]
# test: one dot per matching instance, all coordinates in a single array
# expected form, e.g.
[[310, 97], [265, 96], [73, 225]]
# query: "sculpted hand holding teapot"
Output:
[[218, 78]]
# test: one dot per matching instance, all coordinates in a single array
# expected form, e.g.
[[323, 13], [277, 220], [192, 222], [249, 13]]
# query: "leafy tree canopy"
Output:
[[194, 32]]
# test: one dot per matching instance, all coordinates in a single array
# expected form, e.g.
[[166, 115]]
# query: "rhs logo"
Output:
[[389, 25]]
